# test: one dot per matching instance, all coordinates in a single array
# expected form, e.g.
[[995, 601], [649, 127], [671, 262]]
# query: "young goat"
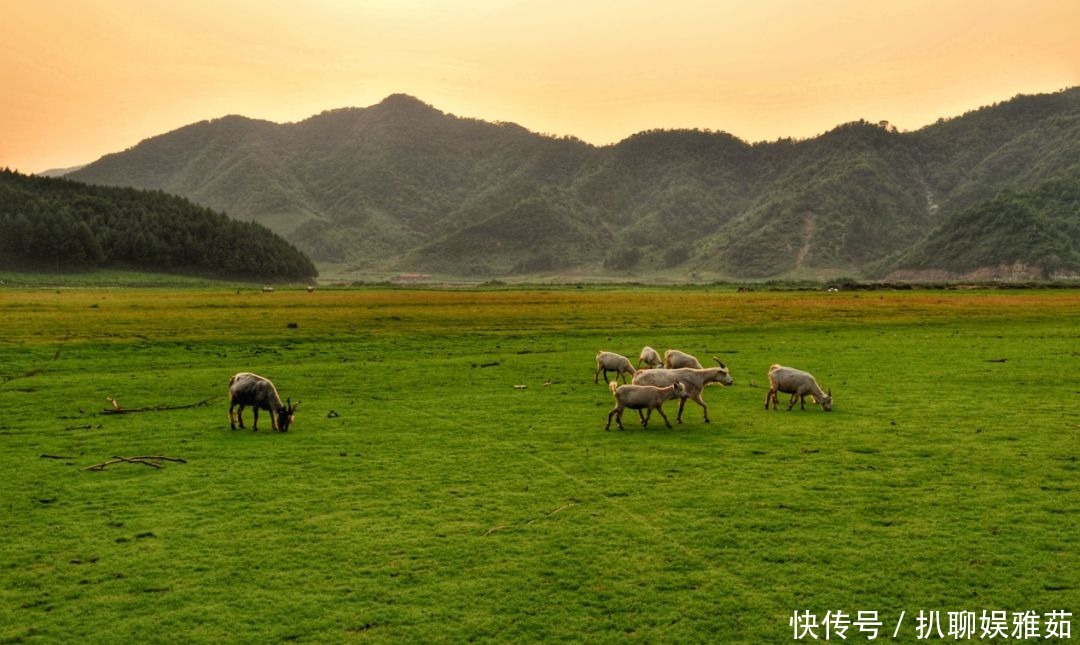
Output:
[[610, 361], [694, 380], [642, 397], [245, 389], [650, 357], [798, 384]]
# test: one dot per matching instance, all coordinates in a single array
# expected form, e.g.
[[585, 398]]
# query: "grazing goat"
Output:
[[674, 359], [798, 384], [245, 389], [617, 363], [693, 379], [650, 357], [642, 397]]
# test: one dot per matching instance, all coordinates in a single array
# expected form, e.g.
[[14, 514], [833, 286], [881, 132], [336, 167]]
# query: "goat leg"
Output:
[[704, 408]]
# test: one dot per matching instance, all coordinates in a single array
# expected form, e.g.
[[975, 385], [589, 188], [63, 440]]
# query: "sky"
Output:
[[83, 78]]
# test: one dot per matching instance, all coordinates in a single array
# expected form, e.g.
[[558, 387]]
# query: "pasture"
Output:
[[422, 497]]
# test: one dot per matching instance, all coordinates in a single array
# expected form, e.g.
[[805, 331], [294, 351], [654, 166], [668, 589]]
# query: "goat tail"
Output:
[[613, 386]]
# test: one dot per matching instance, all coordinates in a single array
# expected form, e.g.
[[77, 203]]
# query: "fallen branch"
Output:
[[563, 508], [156, 408], [528, 521], [132, 460], [150, 460], [54, 457], [178, 460], [35, 371]]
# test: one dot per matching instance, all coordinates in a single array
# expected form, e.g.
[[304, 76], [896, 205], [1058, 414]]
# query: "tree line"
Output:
[[59, 224]]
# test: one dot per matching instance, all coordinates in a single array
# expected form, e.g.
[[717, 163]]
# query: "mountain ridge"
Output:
[[403, 186]]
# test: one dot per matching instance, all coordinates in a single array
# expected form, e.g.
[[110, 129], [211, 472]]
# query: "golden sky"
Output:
[[83, 78]]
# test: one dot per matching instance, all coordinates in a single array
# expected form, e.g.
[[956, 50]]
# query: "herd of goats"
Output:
[[680, 375], [676, 375]]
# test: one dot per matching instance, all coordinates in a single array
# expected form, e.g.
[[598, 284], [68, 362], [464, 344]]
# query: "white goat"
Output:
[[674, 359], [693, 379], [650, 357], [617, 363], [798, 384], [642, 397], [245, 389]]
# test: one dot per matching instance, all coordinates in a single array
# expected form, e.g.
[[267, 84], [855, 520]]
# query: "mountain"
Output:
[[59, 172], [53, 224], [1033, 234], [402, 186]]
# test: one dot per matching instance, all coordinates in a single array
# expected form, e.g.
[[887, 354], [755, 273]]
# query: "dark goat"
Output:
[[246, 389]]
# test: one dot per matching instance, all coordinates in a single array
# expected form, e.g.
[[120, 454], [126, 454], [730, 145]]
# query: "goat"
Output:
[[642, 397], [650, 357], [674, 359], [617, 363], [798, 384], [693, 379], [245, 389]]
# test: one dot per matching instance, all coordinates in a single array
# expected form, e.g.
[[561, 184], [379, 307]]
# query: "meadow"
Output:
[[424, 495]]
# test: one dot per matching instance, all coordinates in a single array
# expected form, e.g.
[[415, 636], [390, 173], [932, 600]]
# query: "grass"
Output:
[[421, 497]]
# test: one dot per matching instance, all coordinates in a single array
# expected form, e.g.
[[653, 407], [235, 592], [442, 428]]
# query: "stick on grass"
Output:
[[156, 408], [149, 460]]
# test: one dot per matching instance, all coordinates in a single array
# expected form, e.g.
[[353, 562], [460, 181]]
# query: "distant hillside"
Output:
[[61, 224], [59, 172], [402, 186], [1032, 234]]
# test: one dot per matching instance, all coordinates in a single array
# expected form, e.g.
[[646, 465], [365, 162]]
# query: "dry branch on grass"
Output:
[[84, 427], [36, 370], [528, 521], [148, 460], [157, 408], [563, 508]]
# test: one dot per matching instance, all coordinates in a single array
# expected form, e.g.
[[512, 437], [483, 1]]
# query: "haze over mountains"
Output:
[[401, 186]]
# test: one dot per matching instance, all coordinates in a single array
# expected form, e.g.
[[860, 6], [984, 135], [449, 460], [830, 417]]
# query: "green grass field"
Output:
[[422, 497]]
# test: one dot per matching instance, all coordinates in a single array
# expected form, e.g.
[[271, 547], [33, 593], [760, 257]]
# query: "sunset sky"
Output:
[[83, 78]]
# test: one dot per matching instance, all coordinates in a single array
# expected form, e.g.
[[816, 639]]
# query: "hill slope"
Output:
[[402, 186], [58, 223], [1031, 234]]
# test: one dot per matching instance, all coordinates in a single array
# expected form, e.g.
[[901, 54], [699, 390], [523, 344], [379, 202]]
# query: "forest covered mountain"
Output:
[[64, 225], [402, 186]]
